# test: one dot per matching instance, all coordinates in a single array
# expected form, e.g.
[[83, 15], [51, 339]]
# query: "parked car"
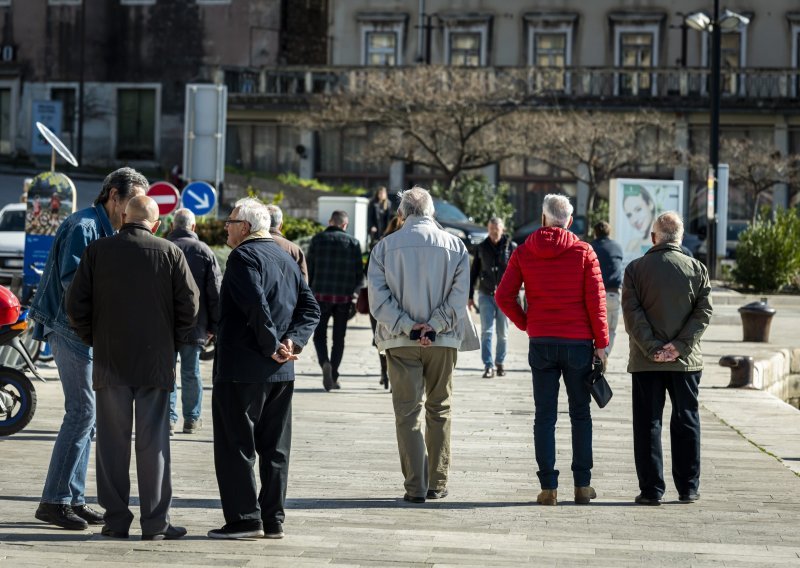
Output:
[[578, 227], [735, 228], [12, 241], [454, 221]]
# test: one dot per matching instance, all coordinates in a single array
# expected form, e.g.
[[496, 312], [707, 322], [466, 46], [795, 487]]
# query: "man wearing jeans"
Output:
[[566, 324], [63, 499], [609, 254], [491, 260], [207, 277]]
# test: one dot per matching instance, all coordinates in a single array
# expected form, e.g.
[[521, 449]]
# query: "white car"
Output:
[[12, 241]]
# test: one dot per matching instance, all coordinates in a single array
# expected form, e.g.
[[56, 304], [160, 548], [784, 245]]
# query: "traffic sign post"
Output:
[[165, 195], [199, 197]]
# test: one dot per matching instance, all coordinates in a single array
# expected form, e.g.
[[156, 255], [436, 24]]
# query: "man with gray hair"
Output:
[[275, 226], [488, 267], [666, 305], [205, 271], [418, 285], [566, 324]]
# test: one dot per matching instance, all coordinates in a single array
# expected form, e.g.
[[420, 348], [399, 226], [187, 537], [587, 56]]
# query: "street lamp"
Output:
[[715, 23]]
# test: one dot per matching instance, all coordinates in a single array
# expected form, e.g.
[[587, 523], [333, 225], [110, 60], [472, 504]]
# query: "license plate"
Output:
[[14, 263]]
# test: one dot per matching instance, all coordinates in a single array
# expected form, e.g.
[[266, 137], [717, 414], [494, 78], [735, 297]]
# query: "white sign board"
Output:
[[356, 209], [204, 133], [633, 206]]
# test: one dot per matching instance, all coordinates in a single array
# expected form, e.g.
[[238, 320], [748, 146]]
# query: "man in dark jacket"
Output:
[[489, 265], [275, 227], [336, 275], [566, 324], [134, 301], [666, 304], [609, 254], [267, 314], [207, 277]]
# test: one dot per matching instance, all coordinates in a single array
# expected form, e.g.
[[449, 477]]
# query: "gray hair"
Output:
[[184, 219], [668, 228], [557, 210], [497, 221], [416, 201], [254, 212], [275, 216], [126, 181]]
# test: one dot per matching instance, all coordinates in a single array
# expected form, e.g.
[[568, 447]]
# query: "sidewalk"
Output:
[[345, 503]]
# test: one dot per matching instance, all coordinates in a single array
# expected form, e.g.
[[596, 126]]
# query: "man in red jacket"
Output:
[[566, 324]]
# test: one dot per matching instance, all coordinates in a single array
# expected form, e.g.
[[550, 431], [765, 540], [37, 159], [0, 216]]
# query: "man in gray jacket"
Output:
[[666, 304], [418, 287]]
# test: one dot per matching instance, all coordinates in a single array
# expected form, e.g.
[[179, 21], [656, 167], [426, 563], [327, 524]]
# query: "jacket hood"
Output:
[[550, 242]]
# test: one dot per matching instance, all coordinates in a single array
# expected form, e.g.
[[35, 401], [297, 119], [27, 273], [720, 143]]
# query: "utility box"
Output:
[[356, 209]]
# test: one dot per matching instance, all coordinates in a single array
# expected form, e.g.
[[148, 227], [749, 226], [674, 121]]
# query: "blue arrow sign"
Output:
[[199, 197]]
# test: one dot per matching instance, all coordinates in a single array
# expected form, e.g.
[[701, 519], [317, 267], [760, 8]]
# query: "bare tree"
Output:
[[448, 119], [594, 147]]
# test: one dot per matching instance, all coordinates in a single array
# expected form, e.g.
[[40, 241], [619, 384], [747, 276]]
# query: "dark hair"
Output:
[[124, 180], [602, 229], [339, 218]]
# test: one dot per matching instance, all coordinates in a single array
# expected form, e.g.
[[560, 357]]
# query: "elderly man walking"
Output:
[[134, 301], [491, 260], [666, 305], [566, 324], [418, 285], [207, 277], [267, 314], [63, 500]]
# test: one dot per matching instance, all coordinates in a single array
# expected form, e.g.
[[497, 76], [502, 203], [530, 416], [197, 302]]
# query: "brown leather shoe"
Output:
[[584, 494], [548, 497], [488, 373]]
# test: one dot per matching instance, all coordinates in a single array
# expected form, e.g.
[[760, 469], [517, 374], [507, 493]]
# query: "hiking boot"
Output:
[[548, 497], [488, 373], [584, 494], [88, 514], [192, 426], [327, 376], [501, 372], [60, 515]]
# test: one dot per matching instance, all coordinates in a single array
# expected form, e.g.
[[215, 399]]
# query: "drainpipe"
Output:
[[421, 31]]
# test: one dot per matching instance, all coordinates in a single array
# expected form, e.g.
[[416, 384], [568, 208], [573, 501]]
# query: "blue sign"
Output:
[[49, 114], [199, 197]]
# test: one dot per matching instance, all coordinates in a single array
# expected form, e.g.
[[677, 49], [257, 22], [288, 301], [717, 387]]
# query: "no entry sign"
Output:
[[165, 195]]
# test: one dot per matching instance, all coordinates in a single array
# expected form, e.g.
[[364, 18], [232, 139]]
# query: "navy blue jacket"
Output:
[[263, 301], [609, 253]]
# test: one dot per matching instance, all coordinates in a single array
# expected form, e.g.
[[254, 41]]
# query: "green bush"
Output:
[[479, 199], [768, 253], [295, 228], [290, 178], [211, 231]]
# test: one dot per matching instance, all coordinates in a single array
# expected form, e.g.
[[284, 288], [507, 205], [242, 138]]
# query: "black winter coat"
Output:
[[490, 264], [133, 299], [263, 301], [205, 270]]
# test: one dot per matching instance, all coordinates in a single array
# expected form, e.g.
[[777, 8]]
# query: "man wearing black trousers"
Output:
[[267, 314], [666, 304]]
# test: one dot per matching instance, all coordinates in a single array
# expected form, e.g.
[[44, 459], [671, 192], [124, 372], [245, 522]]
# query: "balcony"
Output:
[[666, 88]]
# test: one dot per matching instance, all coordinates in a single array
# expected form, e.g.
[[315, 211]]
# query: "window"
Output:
[[732, 58], [794, 20], [136, 124], [67, 96], [382, 38], [265, 147], [550, 48], [636, 41], [5, 121], [466, 40]]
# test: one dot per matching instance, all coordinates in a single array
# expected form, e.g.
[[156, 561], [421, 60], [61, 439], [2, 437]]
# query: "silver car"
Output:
[[12, 241]]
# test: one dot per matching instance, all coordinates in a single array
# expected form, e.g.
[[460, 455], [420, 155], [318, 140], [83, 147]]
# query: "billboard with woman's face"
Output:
[[634, 205]]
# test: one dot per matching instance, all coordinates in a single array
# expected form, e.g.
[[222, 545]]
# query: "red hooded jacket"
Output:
[[563, 286]]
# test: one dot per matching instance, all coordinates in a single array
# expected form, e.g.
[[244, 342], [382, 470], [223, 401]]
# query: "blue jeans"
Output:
[[191, 385], [66, 476], [548, 362], [492, 317]]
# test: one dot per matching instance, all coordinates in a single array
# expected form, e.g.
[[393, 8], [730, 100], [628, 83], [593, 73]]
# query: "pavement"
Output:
[[345, 504]]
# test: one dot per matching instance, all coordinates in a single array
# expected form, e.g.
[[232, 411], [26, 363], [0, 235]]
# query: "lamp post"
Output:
[[701, 21]]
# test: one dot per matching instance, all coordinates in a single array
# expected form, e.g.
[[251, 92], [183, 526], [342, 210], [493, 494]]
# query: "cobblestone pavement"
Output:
[[345, 492]]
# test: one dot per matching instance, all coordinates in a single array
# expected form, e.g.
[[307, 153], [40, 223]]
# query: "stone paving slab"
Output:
[[345, 508]]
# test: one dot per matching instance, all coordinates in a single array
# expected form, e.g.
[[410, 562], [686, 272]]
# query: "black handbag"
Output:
[[598, 385]]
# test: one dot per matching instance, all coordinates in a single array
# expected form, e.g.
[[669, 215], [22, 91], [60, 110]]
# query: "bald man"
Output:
[[133, 299]]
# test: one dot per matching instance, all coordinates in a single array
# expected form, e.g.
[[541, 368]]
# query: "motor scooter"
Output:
[[17, 395]]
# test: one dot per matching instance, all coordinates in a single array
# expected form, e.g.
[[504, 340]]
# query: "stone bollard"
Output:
[[756, 321], [742, 368]]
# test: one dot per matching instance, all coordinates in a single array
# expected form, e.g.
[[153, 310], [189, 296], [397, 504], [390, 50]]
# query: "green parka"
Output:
[[666, 297]]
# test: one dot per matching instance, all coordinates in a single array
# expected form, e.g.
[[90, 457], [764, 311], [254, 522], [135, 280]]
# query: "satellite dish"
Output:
[[58, 146]]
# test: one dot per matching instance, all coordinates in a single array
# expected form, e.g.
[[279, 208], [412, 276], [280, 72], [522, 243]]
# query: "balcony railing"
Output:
[[687, 86]]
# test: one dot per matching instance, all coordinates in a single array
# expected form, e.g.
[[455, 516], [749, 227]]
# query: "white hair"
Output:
[[184, 219], [416, 201], [557, 210], [275, 216], [668, 228], [254, 212]]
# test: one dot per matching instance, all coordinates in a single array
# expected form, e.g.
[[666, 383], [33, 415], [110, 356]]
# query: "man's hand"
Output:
[[424, 328], [285, 352], [600, 353], [666, 354]]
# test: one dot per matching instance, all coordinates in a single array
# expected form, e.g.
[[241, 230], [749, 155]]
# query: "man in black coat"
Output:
[[609, 254], [134, 301], [206, 274], [267, 314]]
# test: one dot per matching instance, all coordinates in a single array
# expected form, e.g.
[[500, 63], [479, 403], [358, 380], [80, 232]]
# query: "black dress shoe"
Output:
[[642, 500], [688, 497], [434, 494], [113, 534], [60, 515], [88, 514], [501, 372], [171, 533], [412, 499]]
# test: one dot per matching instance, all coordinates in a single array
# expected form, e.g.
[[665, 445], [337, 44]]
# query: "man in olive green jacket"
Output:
[[666, 304]]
